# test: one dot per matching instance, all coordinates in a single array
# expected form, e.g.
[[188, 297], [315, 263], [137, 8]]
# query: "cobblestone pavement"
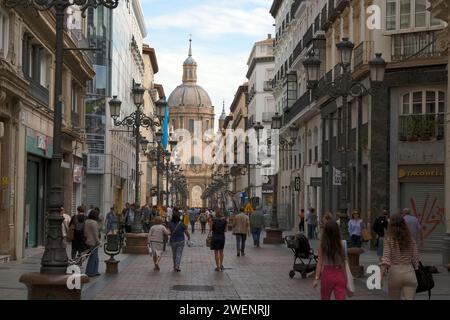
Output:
[[261, 274]]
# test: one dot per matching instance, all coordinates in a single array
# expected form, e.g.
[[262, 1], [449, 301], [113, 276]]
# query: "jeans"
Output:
[[256, 233], [356, 241], [177, 252], [203, 224], [311, 231], [240, 241], [92, 265], [146, 227], [193, 226], [334, 280]]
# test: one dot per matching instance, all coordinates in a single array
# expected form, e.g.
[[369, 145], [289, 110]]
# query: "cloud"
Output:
[[219, 18]]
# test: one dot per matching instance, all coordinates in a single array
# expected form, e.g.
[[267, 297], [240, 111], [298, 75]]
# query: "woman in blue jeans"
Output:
[[177, 232], [355, 228]]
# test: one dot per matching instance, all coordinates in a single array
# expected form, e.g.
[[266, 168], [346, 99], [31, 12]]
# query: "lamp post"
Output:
[[135, 122], [55, 261], [344, 86]]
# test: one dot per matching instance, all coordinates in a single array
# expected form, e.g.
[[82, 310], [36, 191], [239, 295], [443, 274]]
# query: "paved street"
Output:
[[261, 274]]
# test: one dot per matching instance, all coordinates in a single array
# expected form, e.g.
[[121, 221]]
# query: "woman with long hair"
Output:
[[401, 257], [330, 268], [92, 234], [355, 226], [177, 232], [219, 226]]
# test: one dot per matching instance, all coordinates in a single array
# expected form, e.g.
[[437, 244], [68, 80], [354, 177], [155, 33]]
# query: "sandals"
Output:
[[217, 269]]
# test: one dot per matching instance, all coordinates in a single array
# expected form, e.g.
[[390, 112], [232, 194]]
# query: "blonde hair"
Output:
[[157, 220]]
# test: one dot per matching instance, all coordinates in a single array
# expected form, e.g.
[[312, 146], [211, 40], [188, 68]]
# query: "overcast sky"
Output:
[[223, 33]]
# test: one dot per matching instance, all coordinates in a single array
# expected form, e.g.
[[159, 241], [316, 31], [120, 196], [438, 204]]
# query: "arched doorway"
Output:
[[196, 197]]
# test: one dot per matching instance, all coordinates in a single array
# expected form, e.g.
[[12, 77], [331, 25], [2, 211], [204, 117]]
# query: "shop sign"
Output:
[[77, 174], [420, 172]]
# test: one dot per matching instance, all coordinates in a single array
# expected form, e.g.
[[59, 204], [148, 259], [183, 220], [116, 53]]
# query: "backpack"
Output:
[[378, 227], [202, 218]]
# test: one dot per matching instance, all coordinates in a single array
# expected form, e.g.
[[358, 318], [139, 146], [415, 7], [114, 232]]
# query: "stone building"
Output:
[[191, 116]]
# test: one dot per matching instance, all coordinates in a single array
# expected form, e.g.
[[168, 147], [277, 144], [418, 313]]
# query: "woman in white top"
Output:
[[156, 240]]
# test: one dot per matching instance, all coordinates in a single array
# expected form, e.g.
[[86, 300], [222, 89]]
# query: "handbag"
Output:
[[366, 234], [425, 281], [70, 233], [209, 240], [350, 287]]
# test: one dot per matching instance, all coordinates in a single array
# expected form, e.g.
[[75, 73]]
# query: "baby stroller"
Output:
[[299, 245]]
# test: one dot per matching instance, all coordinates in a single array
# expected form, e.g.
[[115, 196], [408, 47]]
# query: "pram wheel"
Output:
[[291, 274]]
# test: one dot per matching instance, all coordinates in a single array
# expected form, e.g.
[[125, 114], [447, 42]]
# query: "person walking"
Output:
[[192, 218], [177, 232], [156, 240], [401, 258], [311, 221], [256, 226], [355, 226], [379, 228], [124, 215], [65, 227], [77, 223], [91, 233], [301, 224], [241, 229], [219, 226], [414, 226], [129, 218], [323, 221], [203, 218], [112, 224], [146, 218], [330, 269]]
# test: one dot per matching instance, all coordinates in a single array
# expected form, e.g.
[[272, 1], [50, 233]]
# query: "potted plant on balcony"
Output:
[[413, 129], [428, 128]]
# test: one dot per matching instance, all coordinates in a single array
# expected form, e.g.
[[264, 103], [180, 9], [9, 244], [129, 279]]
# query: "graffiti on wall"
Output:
[[429, 216]]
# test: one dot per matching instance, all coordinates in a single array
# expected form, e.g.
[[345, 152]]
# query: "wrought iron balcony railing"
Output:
[[423, 127], [363, 53], [408, 46]]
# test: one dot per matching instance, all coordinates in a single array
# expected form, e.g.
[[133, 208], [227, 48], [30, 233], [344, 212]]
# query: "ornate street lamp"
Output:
[[345, 51], [45, 285], [312, 67], [377, 68], [114, 106]]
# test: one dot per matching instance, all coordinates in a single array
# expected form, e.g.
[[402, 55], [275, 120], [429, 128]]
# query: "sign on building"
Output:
[[337, 177]]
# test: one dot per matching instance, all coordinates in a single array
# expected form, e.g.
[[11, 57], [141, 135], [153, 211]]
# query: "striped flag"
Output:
[[165, 127]]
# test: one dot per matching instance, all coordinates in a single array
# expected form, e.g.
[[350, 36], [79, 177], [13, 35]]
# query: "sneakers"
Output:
[[222, 268], [217, 269]]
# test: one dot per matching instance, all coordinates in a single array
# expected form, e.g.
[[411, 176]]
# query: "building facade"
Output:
[[261, 108], [27, 103], [111, 171], [191, 115]]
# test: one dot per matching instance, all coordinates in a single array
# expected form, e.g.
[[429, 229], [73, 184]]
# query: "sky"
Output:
[[223, 34]]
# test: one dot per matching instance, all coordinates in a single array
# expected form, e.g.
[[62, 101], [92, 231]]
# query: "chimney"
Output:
[[269, 36]]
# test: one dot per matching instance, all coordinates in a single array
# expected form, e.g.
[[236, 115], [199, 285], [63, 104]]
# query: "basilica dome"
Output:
[[189, 93]]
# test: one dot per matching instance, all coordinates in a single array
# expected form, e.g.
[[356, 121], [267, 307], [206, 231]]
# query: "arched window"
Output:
[[316, 144], [422, 114], [310, 146]]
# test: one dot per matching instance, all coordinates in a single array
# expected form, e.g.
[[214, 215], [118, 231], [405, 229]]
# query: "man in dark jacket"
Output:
[[379, 227], [256, 225]]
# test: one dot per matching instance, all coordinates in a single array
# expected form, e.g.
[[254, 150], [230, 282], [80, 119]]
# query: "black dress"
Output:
[[218, 234]]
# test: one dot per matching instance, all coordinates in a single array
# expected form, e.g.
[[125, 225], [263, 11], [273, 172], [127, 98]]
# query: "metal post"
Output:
[[346, 114], [138, 142], [274, 222], [167, 180], [54, 260], [158, 163]]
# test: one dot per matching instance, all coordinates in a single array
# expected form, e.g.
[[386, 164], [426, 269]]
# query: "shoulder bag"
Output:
[[348, 273], [425, 281]]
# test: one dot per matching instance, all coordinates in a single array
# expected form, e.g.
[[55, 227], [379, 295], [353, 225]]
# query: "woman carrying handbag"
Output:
[[401, 257], [218, 228]]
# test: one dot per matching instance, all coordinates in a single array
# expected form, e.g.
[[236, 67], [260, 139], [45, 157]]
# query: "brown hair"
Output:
[[331, 243], [398, 231], [157, 220]]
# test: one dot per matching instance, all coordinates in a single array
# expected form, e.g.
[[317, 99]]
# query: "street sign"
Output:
[[248, 208], [297, 183], [337, 177]]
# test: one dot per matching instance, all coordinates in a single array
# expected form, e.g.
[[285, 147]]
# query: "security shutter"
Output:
[[94, 190], [427, 202]]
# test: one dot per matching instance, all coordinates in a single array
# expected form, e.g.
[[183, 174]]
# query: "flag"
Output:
[[337, 177], [165, 127]]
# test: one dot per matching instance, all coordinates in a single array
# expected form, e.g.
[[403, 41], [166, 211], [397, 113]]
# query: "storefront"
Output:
[[39, 152], [422, 190]]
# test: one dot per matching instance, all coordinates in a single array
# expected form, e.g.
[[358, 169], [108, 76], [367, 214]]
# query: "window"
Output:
[[421, 13], [310, 156], [417, 102], [295, 162], [181, 123], [191, 125], [391, 12], [299, 160], [173, 124], [405, 14], [74, 98], [4, 31], [290, 162], [207, 124]]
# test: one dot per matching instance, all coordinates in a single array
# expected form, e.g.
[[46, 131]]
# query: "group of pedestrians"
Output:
[[398, 238]]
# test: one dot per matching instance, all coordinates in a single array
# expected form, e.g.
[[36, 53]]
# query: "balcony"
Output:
[[340, 5], [332, 13], [295, 7], [82, 42], [75, 119], [337, 71], [363, 53], [423, 127], [317, 26], [324, 23], [415, 46], [298, 50], [39, 92], [307, 38], [96, 163], [297, 107]]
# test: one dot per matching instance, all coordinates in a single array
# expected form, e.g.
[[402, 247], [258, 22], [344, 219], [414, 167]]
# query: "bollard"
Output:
[[353, 261]]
